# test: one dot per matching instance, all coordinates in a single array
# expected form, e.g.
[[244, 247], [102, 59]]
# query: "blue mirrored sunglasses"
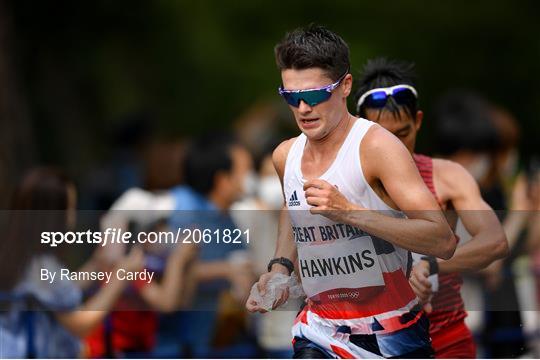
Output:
[[311, 97]]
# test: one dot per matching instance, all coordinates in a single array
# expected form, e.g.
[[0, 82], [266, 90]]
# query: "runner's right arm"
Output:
[[285, 246]]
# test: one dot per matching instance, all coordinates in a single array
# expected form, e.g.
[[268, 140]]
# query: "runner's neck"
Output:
[[333, 141]]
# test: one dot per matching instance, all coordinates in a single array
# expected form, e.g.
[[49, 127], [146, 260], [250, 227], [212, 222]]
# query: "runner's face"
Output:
[[404, 127], [319, 120]]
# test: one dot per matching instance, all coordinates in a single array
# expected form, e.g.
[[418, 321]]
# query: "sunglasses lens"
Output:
[[376, 100], [311, 98], [291, 98], [403, 96], [315, 97]]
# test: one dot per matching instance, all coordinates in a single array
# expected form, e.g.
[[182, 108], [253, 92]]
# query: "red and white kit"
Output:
[[356, 284]]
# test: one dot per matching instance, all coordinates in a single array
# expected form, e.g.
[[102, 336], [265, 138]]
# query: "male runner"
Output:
[[386, 95], [359, 301]]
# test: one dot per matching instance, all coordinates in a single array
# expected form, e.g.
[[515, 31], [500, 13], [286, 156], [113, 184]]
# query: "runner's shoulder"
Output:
[[379, 146], [279, 156], [448, 169], [453, 175], [378, 138]]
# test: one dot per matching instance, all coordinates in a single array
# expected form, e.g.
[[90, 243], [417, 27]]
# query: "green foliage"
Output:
[[199, 64]]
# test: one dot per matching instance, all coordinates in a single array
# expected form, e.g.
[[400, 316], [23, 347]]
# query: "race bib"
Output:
[[340, 270]]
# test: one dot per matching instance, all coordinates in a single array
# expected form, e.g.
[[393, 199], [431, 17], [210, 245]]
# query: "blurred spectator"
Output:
[[468, 134], [45, 319], [465, 133], [506, 155], [124, 167], [262, 122], [130, 330], [532, 189], [162, 162], [215, 171]]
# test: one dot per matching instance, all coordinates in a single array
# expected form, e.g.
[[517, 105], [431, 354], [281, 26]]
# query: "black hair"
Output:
[[463, 121], [207, 155], [380, 73], [313, 47]]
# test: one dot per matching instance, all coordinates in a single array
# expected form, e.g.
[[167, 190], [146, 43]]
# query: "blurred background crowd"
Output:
[[164, 114]]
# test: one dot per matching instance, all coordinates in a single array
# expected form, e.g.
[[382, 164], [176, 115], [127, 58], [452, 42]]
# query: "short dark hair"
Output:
[[205, 157], [380, 73], [313, 47], [463, 121]]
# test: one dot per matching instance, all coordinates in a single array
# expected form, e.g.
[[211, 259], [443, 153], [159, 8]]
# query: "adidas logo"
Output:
[[293, 200]]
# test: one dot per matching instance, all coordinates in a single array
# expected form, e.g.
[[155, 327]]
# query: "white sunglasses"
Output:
[[376, 98]]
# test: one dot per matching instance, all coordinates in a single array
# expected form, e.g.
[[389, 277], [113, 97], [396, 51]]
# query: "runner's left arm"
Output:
[[385, 159], [488, 242]]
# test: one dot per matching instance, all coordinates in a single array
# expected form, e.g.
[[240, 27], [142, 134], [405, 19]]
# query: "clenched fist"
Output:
[[327, 200]]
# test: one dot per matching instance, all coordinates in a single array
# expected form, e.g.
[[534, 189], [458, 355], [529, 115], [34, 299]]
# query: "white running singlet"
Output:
[[352, 279]]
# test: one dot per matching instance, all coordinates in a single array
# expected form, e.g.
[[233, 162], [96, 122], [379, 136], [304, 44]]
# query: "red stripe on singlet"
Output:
[[301, 317], [396, 294], [342, 353], [448, 307]]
